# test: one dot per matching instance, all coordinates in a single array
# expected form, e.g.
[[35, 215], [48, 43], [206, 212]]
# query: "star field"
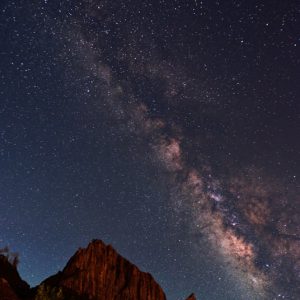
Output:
[[168, 129]]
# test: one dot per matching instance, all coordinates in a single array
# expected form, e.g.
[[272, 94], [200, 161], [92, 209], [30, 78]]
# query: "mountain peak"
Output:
[[101, 273], [191, 297], [96, 272]]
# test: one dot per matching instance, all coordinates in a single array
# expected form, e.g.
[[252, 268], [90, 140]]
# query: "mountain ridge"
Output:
[[97, 272]]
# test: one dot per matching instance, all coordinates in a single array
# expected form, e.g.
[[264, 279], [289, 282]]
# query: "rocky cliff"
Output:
[[98, 272], [11, 285], [6, 291]]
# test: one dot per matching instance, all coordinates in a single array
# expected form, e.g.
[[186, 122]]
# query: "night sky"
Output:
[[169, 129]]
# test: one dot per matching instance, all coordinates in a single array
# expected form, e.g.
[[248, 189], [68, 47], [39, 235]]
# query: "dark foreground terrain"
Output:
[[97, 272]]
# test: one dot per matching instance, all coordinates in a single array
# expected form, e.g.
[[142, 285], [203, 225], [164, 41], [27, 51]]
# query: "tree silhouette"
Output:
[[12, 257]]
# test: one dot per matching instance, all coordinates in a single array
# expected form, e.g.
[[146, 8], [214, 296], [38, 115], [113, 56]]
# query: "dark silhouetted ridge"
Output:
[[191, 297], [11, 284]]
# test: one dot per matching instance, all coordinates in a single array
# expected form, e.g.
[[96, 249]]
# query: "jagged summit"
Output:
[[101, 273], [96, 272]]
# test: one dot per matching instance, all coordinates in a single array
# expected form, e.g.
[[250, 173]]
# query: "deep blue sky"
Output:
[[112, 113]]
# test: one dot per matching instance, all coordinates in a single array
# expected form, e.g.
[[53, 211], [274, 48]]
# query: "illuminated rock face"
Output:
[[97, 272], [100, 273]]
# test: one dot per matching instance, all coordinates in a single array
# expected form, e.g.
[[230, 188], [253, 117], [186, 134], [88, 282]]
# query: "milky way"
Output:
[[245, 216], [205, 121]]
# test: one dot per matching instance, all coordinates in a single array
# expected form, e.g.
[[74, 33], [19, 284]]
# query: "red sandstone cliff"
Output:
[[97, 272], [100, 273]]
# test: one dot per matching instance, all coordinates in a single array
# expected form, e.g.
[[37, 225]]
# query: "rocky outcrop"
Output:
[[97, 272], [10, 281], [191, 297], [100, 273], [6, 292]]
